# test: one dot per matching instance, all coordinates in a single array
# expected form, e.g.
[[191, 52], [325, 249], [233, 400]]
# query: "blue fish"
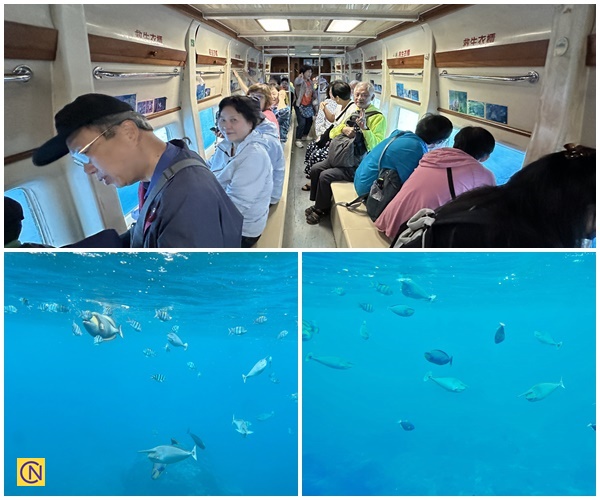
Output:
[[402, 310], [438, 357], [500, 335], [406, 425]]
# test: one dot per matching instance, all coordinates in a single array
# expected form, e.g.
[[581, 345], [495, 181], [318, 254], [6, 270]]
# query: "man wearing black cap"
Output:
[[181, 202], [13, 215]]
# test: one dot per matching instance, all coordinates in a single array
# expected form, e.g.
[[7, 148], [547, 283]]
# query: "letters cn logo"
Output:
[[31, 472]]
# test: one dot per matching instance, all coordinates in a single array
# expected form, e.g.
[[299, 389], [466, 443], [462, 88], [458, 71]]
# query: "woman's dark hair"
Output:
[[476, 141], [276, 78], [245, 106], [341, 89], [433, 128], [304, 69], [545, 204], [284, 79]]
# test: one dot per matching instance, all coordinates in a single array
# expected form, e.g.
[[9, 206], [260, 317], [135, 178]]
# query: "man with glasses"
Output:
[[182, 204]]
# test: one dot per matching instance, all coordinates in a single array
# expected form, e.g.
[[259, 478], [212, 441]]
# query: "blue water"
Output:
[[88, 409], [482, 441]]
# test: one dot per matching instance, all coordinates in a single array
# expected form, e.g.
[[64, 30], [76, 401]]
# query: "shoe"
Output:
[[305, 138], [306, 187], [309, 210], [315, 217], [299, 144]]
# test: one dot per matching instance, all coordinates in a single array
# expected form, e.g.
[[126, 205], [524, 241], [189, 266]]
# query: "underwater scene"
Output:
[[449, 374], [151, 373]]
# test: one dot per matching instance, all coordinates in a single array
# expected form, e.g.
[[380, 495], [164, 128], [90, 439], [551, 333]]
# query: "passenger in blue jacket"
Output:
[[404, 153], [182, 204]]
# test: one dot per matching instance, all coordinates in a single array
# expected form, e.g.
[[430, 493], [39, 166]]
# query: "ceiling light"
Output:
[[274, 24], [342, 25]]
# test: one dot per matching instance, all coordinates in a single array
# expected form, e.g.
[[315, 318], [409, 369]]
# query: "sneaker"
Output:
[[299, 144], [305, 138]]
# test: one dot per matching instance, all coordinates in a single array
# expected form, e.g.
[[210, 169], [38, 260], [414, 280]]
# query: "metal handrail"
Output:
[[531, 77], [367, 72], [21, 73], [420, 73], [100, 73], [210, 72]]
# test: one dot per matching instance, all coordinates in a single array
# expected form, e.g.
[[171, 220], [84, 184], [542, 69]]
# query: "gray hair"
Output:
[[103, 123], [370, 87], [353, 84]]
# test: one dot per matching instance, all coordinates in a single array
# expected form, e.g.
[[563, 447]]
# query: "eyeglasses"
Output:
[[80, 156]]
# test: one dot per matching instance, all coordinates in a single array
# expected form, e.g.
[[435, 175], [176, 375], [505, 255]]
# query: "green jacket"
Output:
[[376, 129]]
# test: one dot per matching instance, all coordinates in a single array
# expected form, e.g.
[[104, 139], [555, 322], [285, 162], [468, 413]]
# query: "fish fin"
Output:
[[249, 432], [194, 453], [174, 441], [502, 324], [146, 451], [561, 383], [558, 345], [244, 377], [428, 375], [185, 346], [522, 394], [308, 356], [121, 331], [432, 298]]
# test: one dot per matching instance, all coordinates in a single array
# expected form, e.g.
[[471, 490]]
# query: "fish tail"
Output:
[[427, 377], [194, 453], [308, 356], [244, 377], [561, 383], [233, 419], [185, 346], [432, 298], [121, 330], [558, 345]]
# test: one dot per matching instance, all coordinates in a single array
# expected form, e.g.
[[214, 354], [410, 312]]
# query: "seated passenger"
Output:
[[337, 111], [182, 204], [262, 93], [13, 216], [404, 153], [549, 203], [368, 127], [242, 165], [430, 186]]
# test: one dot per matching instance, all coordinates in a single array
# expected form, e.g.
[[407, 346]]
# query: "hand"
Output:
[[361, 121], [348, 132]]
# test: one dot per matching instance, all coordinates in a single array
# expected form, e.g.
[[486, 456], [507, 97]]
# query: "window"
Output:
[[128, 195], [208, 121], [407, 120], [30, 231], [504, 161]]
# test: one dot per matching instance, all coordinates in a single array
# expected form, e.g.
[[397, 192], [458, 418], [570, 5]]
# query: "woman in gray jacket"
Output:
[[305, 94]]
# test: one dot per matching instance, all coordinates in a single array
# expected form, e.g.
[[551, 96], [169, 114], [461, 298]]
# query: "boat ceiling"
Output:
[[308, 23]]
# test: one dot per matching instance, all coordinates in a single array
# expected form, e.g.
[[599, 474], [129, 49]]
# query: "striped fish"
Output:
[[10, 309], [260, 320], [76, 330], [98, 340], [282, 334], [158, 377], [174, 329], [365, 306], [136, 325], [383, 289], [162, 314], [107, 310], [237, 330], [149, 353]]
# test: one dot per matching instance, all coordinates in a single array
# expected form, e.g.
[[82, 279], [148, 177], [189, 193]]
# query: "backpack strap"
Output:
[[137, 238], [385, 149], [450, 182]]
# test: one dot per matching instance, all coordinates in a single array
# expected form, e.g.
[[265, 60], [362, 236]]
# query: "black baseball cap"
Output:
[[82, 111]]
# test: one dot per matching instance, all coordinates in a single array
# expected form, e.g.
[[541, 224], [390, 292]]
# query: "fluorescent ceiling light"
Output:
[[274, 24], [342, 25]]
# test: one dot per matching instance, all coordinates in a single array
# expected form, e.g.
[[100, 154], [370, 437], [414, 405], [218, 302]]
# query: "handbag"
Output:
[[348, 152], [324, 139], [306, 111]]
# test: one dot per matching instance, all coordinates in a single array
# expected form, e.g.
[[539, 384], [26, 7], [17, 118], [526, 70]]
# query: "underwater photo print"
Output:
[[151, 373], [448, 374]]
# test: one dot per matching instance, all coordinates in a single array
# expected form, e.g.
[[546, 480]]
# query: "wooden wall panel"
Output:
[[210, 60], [106, 49], [514, 54], [416, 62], [23, 41], [374, 64]]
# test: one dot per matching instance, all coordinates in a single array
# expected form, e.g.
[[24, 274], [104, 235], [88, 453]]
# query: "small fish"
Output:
[[157, 470], [241, 426], [197, 440], [438, 357], [136, 325], [237, 330], [500, 335], [107, 310], [260, 320], [593, 426], [383, 289], [85, 315], [330, 361], [191, 365], [175, 341], [265, 416], [545, 338], [25, 302], [258, 368], [273, 378], [540, 391], [402, 310], [282, 334], [98, 340], [365, 306], [76, 330], [294, 397], [53, 307], [162, 314], [158, 377], [10, 309], [449, 383], [414, 291], [364, 333], [308, 329], [174, 328], [406, 425], [338, 291], [149, 353]]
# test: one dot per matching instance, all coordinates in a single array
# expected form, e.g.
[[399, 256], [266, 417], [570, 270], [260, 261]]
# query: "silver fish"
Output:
[[260, 320], [237, 330], [402, 310], [265, 416], [540, 391], [162, 314], [175, 341], [158, 377], [241, 426], [136, 325], [545, 338], [330, 361], [10, 309], [282, 334], [258, 368], [149, 353], [98, 340], [168, 454]]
